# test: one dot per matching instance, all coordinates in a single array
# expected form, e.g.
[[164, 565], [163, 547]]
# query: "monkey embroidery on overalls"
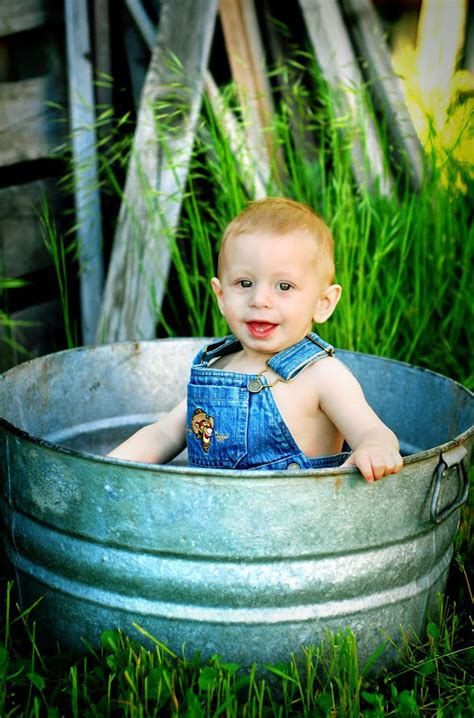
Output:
[[203, 428]]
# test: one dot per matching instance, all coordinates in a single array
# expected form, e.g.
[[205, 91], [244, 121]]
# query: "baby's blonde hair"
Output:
[[277, 215]]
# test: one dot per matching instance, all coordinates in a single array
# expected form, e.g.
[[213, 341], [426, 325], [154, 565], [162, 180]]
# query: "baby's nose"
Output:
[[261, 296]]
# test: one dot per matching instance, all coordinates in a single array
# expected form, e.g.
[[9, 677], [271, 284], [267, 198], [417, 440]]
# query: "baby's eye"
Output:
[[284, 286], [245, 283]]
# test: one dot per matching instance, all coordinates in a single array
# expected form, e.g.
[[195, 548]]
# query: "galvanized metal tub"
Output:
[[249, 565]]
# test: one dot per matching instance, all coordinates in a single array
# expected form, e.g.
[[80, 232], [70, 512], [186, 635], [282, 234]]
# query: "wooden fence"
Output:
[[31, 76]]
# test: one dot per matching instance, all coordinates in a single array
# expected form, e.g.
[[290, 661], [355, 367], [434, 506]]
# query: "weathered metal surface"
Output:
[[250, 565]]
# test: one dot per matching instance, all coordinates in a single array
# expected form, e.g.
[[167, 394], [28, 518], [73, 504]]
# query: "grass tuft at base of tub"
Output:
[[120, 677]]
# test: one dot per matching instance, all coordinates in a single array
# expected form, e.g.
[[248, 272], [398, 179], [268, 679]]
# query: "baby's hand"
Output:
[[375, 461], [375, 448]]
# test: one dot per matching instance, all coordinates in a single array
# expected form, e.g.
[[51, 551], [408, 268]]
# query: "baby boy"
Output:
[[272, 395]]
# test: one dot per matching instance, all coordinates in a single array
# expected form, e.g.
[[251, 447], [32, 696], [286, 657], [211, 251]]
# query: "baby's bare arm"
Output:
[[375, 448], [156, 443]]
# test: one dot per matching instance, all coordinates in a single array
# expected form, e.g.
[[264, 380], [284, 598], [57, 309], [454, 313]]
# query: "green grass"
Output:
[[8, 325], [120, 677], [403, 261], [56, 247]]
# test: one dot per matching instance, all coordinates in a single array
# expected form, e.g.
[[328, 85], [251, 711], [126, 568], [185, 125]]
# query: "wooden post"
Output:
[[157, 172], [335, 56], [367, 32], [86, 192]]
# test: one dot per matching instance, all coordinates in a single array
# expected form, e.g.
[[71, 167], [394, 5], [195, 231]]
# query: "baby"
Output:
[[272, 395]]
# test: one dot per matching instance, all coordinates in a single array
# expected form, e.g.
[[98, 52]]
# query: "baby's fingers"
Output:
[[378, 467], [394, 463], [381, 465], [363, 463], [375, 465]]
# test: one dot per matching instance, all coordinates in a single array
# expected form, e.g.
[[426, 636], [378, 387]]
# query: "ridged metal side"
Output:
[[248, 565]]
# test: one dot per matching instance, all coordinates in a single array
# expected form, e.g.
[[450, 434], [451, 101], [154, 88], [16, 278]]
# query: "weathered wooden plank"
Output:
[[287, 77], [102, 52], [29, 129], [254, 174], [22, 249], [138, 34], [142, 21], [137, 60], [31, 332], [20, 15], [367, 32], [158, 169], [333, 50], [86, 187], [247, 61]]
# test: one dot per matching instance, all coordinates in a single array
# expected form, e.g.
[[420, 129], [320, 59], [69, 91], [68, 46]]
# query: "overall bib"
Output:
[[233, 420]]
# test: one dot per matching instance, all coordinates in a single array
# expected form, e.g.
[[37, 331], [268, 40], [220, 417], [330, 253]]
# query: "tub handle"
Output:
[[452, 458]]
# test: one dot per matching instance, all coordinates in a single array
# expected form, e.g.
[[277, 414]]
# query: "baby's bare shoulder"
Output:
[[324, 376], [329, 367], [333, 384]]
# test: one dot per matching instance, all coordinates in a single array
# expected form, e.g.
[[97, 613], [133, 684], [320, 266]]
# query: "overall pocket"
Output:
[[216, 426]]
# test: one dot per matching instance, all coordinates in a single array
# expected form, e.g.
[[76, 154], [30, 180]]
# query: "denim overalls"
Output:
[[232, 419]]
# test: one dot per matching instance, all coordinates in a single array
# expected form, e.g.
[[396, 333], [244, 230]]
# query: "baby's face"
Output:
[[269, 289]]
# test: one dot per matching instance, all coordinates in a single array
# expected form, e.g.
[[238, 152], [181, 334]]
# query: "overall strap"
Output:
[[291, 361], [218, 348]]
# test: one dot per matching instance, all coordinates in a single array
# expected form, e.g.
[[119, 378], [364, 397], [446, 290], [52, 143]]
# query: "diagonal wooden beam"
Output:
[[157, 172], [254, 171], [366, 30], [142, 21], [335, 56]]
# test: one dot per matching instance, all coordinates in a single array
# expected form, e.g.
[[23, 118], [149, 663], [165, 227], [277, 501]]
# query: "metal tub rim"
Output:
[[232, 473]]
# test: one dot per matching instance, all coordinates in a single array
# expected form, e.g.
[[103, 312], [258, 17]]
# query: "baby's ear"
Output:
[[327, 303], [217, 289]]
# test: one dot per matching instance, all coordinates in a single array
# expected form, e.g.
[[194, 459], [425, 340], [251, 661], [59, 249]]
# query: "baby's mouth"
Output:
[[261, 329]]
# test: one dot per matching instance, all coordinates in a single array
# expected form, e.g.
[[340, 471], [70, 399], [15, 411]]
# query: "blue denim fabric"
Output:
[[230, 427]]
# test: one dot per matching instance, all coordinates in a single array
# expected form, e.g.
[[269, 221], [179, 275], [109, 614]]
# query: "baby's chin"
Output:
[[269, 339]]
